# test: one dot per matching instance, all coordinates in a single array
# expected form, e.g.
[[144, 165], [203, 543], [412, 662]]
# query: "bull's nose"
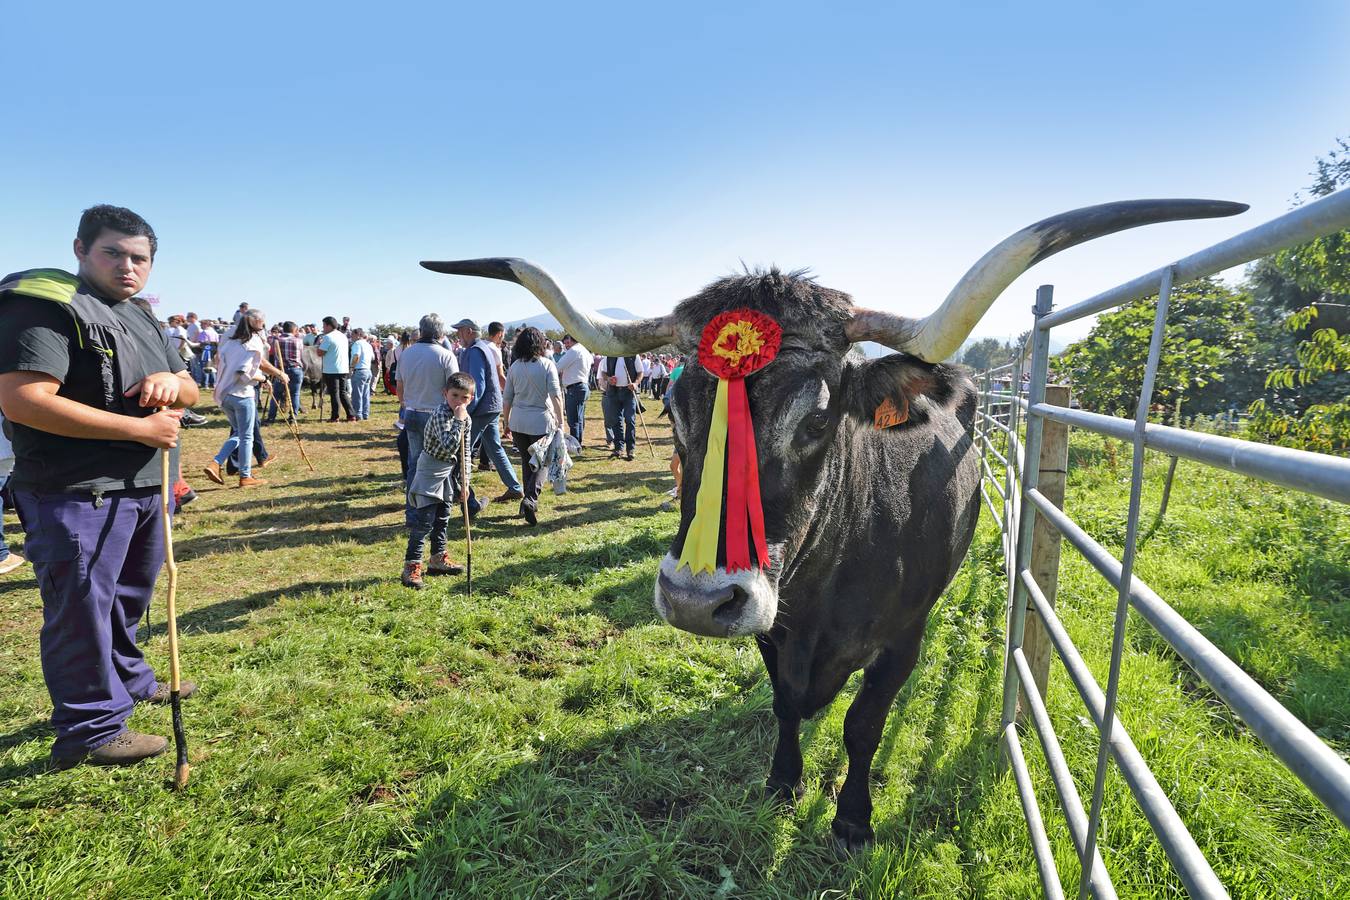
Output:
[[711, 612]]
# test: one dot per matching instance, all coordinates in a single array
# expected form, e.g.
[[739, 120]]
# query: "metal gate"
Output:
[[1021, 407]]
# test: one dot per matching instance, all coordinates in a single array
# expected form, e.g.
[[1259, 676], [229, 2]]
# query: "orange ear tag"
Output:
[[888, 416]]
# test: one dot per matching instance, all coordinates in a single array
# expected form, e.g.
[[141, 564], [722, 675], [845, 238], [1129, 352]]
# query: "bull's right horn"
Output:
[[600, 334], [941, 334]]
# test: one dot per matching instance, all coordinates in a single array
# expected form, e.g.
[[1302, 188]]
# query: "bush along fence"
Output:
[[1029, 420]]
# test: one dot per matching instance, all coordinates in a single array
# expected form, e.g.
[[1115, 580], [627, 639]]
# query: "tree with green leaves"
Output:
[[1208, 326], [1307, 370], [986, 353]]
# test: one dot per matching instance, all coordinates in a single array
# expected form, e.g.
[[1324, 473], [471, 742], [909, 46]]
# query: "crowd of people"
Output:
[[96, 388]]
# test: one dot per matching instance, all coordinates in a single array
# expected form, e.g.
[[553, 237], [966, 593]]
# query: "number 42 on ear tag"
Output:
[[888, 415]]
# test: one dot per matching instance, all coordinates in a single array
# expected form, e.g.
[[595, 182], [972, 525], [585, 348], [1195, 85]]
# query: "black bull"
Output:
[[865, 527]]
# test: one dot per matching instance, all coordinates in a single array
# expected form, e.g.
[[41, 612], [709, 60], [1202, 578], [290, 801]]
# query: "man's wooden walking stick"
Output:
[[637, 407], [464, 486], [180, 775]]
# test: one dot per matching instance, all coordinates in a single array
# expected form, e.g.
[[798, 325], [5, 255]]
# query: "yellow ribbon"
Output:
[[700, 542]]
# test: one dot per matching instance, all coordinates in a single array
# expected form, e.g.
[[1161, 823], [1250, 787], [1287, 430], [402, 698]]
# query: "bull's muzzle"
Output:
[[716, 604]]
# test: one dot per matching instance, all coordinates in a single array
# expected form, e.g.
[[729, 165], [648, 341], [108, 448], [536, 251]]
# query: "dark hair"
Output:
[[495, 328], [529, 344], [460, 381], [114, 218], [329, 320], [243, 330]]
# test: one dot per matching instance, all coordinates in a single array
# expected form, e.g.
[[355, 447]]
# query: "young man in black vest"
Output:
[[622, 381], [92, 392]]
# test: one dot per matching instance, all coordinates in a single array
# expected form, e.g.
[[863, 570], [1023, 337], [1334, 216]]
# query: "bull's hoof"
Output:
[[850, 838], [779, 792]]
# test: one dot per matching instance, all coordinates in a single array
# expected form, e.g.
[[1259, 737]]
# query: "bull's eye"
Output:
[[816, 423]]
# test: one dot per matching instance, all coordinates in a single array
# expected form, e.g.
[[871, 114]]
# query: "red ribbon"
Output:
[[744, 507]]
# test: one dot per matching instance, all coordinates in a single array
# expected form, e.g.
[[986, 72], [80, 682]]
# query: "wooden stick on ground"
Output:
[[294, 422], [465, 474], [180, 775]]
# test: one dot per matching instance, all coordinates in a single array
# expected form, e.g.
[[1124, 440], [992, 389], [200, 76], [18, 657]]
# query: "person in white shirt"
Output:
[[241, 366], [574, 371], [362, 357], [332, 348], [621, 379]]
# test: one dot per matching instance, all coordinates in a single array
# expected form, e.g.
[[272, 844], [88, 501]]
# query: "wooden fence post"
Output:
[[1045, 539]]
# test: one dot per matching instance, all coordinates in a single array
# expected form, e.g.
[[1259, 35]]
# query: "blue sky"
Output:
[[306, 160]]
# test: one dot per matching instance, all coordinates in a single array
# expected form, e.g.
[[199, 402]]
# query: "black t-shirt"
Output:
[[40, 336]]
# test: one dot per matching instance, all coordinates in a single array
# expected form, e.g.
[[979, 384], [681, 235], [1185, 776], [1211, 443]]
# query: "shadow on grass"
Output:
[[660, 809], [229, 615], [672, 806]]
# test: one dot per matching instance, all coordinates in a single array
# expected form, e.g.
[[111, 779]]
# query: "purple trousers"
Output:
[[96, 561]]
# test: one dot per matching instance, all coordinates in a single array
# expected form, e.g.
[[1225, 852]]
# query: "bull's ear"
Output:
[[899, 390]]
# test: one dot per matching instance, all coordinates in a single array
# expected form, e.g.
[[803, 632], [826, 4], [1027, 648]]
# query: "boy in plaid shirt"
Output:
[[437, 481]]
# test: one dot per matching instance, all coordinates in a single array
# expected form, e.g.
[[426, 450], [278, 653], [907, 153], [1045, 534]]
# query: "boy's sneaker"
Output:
[[442, 564], [128, 748], [10, 563], [412, 575]]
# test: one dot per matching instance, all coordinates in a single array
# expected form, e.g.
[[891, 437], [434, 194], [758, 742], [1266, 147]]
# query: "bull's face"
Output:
[[807, 407], [795, 406]]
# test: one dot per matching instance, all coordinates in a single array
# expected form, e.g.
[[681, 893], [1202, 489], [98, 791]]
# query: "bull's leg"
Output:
[[863, 726], [785, 776]]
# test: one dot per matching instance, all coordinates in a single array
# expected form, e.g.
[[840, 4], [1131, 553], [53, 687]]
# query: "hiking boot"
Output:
[[511, 494], [248, 481], [161, 695], [527, 510], [412, 575], [264, 463], [127, 749], [10, 563], [212, 471], [442, 564]]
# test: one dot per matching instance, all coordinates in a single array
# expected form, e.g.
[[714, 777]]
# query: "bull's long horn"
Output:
[[600, 334], [940, 334]]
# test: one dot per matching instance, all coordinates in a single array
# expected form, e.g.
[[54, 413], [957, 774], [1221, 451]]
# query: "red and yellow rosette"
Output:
[[734, 344]]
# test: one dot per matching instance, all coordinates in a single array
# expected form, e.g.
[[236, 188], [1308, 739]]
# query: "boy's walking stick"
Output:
[[468, 534], [180, 775]]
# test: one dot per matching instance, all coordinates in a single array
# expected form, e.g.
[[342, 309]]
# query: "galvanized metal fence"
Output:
[[1011, 428]]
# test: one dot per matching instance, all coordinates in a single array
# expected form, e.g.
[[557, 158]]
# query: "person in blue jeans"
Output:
[[574, 370], [479, 360], [286, 351], [362, 355], [242, 364], [622, 381]]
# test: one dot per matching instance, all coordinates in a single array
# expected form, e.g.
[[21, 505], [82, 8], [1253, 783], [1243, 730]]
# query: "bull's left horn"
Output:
[[940, 334], [598, 333]]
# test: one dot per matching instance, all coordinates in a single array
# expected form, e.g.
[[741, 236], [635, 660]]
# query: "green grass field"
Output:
[[550, 737]]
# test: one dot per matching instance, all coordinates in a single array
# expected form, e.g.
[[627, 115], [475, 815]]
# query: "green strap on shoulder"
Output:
[[45, 284], [56, 285]]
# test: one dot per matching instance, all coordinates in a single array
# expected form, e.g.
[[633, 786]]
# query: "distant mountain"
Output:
[[546, 322]]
